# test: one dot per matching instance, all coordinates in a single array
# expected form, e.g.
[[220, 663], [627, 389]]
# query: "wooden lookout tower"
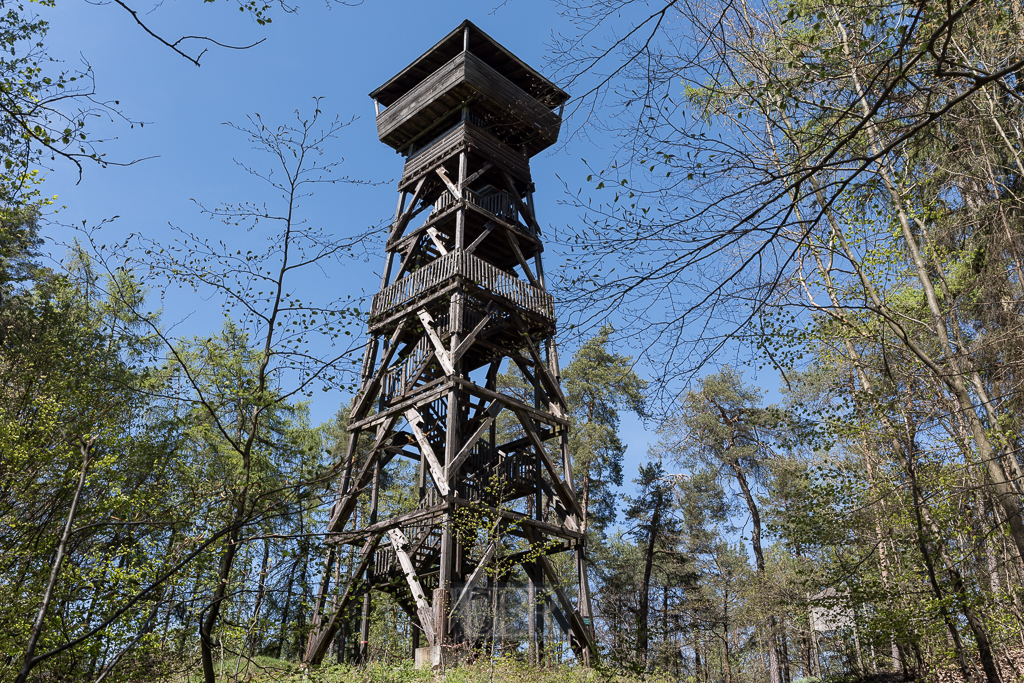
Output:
[[462, 299]]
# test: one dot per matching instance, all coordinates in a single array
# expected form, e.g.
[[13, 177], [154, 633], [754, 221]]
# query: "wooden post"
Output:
[[364, 629]]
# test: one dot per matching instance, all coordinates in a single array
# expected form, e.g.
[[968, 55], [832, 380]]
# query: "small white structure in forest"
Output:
[[830, 611]]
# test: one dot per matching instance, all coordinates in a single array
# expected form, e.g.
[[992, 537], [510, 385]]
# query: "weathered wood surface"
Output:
[[451, 314], [469, 36], [472, 138], [425, 613], [435, 274], [444, 91]]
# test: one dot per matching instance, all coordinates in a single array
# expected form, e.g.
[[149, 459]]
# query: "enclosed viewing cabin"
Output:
[[468, 69]]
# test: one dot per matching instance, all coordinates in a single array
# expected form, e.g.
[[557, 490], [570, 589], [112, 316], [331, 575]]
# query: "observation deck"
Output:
[[469, 66]]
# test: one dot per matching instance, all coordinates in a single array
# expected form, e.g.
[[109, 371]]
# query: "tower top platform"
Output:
[[490, 51]]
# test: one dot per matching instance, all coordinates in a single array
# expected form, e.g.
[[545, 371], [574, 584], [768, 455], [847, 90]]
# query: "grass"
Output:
[[267, 670]]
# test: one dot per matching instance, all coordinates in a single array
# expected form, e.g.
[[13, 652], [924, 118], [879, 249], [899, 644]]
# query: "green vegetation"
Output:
[[831, 200]]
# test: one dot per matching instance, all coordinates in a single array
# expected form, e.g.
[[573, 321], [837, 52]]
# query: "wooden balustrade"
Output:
[[483, 274], [499, 204]]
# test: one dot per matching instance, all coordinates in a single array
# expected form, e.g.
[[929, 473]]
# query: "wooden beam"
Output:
[[536, 575], [483, 169], [318, 643], [492, 413], [523, 208], [540, 416], [489, 227], [442, 353], [347, 503], [360, 406], [514, 243], [423, 608], [503, 352], [545, 373], [427, 360], [406, 257], [537, 386], [456, 195], [419, 515], [434, 236], [578, 627], [524, 520], [552, 547], [471, 337], [471, 582], [568, 499], [436, 471], [436, 388], [403, 220]]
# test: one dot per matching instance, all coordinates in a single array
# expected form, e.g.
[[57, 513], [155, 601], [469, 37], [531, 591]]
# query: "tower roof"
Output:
[[484, 47]]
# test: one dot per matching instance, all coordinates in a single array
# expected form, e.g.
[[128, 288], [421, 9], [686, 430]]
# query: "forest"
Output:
[[796, 259]]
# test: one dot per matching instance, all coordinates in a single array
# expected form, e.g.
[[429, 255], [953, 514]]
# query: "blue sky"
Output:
[[336, 52]]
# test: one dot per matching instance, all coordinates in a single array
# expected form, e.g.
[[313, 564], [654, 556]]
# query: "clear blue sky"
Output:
[[335, 52]]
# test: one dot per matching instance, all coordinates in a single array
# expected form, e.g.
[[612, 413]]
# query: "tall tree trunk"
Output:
[[774, 669], [219, 593], [37, 627], [929, 533], [286, 612], [642, 630], [261, 591], [725, 655], [784, 652]]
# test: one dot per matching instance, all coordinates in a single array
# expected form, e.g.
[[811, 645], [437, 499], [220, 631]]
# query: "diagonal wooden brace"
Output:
[[564, 494], [489, 227], [370, 388], [483, 169], [471, 337], [316, 646], [514, 243], [456, 195], [471, 582], [436, 470], [492, 413], [442, 353], [426, 613]]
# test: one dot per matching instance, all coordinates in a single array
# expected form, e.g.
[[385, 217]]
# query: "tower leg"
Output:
[[364, 629]]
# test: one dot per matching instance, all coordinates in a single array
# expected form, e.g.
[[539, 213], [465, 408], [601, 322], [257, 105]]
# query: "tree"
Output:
[[245, 457], [655, 530], [598, 383], [78, 462], [723, 427]]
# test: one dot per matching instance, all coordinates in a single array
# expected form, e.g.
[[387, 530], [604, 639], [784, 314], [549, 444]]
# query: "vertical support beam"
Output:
[[540, 602], [399, 542], [442, 600], [321, 595], [460, 218], [364, 630], [389, 258]]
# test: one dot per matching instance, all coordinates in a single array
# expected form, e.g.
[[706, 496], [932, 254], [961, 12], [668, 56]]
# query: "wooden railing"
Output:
[[395, 379], [483, 274], [498, 203]]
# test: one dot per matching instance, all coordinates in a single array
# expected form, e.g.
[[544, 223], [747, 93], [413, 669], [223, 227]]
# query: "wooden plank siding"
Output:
[[466, 76], [472, 138]]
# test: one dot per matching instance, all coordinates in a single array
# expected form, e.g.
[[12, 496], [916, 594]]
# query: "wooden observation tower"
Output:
[[462, 299]]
